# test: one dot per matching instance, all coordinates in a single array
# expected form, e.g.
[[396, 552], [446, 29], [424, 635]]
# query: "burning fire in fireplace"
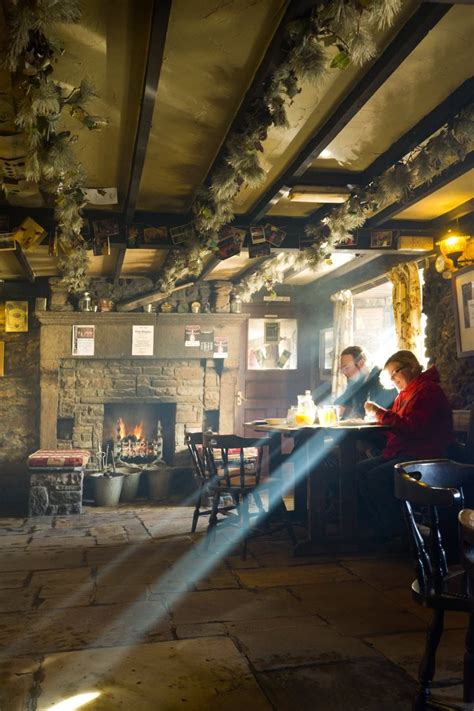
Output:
[[132, 446]]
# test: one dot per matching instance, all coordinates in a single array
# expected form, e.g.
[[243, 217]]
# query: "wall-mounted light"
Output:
[[456, 252], [308, 193]]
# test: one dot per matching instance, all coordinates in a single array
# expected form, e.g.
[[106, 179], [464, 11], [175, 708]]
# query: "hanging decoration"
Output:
[[50, 160], [333, 36]]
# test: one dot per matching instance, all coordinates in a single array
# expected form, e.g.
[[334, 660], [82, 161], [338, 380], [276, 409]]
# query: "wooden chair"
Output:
[[432, 496], [466, 520], [234, 469], [463, 449], [205, 487]]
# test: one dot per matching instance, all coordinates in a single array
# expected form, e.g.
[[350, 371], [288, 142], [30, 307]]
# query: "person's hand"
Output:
[[371, 408]]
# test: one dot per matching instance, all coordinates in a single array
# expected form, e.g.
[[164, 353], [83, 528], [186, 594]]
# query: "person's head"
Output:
[[402, 367], [353, 362]]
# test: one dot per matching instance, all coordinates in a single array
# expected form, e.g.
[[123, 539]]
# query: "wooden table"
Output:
[[312, 444]]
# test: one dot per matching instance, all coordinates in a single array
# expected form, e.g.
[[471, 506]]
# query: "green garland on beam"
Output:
[[50, 159]]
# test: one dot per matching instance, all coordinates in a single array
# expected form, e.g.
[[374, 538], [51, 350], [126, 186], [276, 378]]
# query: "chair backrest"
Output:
[[437, 487], [227, 455], [466, 521], [463, 423], [194, 441]]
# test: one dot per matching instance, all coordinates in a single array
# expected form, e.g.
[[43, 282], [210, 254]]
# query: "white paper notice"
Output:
[[83, 339], [470, 313], [142, 340]]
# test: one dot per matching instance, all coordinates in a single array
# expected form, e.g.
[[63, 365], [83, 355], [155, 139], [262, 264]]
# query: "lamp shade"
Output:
[[453, 245]]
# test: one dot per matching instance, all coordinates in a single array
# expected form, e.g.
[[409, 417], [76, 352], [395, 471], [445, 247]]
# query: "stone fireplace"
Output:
[[81, 397]]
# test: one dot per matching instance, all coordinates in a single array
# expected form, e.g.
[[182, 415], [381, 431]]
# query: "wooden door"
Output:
[[267, 393]]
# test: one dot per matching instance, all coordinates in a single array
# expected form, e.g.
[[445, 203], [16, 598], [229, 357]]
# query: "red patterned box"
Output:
[[59, 459]]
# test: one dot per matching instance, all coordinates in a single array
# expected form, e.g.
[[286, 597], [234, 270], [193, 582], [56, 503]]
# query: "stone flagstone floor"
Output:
[[127, 606]]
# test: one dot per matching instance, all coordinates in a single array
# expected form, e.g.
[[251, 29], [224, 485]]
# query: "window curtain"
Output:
[[343, 335], [406, 295]]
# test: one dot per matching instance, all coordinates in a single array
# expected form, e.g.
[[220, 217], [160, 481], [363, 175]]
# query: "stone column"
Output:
[[222, 291]]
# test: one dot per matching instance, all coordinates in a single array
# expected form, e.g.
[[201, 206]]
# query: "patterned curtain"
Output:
[[343, 335], [407, 307]]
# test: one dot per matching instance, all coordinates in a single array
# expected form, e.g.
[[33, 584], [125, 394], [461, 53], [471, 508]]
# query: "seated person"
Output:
[[362, 385], [420, 422]]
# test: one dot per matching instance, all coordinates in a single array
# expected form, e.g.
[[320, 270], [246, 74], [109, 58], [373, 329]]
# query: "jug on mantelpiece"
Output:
[[306, 410]]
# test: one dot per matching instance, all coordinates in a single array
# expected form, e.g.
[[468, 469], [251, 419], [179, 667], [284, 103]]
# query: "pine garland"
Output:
[[50, 159]]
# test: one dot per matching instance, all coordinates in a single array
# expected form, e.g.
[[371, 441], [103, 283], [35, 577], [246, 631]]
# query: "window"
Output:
[[374, 327], [272, 344]]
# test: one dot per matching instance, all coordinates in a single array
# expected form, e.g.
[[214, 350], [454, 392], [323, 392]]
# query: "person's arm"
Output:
[[417, 415]]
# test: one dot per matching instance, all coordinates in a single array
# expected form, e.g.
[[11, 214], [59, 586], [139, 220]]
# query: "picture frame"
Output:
[[382, 239], [16, 316], [326, 347], [463, 305]]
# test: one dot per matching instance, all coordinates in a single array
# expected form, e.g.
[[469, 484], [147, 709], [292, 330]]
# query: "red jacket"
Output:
[[420, 420]]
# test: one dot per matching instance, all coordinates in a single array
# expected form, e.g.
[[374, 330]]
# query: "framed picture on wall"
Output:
[[326, 348], [463, 297]]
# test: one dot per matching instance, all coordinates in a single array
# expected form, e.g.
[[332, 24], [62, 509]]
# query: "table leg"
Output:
[[348, 487]]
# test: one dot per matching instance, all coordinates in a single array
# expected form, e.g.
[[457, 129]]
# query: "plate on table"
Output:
[[275, 421]]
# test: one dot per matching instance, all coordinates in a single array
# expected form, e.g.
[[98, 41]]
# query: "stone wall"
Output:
[[457, 374], [19, 406]]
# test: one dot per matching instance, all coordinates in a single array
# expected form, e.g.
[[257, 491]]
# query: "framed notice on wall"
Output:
[[142, 340], [463, 296], [83, 340]]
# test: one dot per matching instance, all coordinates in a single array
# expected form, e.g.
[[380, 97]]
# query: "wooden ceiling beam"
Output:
[[156, 45], [426, 127], [271, 59], [447, 176], [328, 178], [25, 266], [122, 250], [413, 32], [210, 266], [152, 297]]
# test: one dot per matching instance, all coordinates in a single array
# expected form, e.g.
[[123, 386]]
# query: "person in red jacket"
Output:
[[421, 427]]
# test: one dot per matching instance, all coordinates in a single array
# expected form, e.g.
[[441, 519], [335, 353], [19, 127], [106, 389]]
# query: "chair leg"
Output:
[[197, 508], [245, 523], [428, 663], [469, 662]]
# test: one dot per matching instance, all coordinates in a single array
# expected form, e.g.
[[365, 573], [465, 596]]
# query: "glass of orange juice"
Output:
[[303, 419]]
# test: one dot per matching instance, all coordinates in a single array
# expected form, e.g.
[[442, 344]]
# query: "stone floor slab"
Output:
[[407, 649], [15, 579], [17, 682], [279, 643], [382, 574], [363, 685], [356, 609], [19, 600], [155, 676], [290, 576], [233, 605], [81, 627]]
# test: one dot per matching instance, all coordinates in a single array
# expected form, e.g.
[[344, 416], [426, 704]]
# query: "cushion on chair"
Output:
[[58, 459]]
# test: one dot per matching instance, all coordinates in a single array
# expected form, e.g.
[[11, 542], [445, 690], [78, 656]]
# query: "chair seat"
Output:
[[452, 598]]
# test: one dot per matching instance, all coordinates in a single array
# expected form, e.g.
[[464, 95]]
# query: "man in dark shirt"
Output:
[[362, 385]]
